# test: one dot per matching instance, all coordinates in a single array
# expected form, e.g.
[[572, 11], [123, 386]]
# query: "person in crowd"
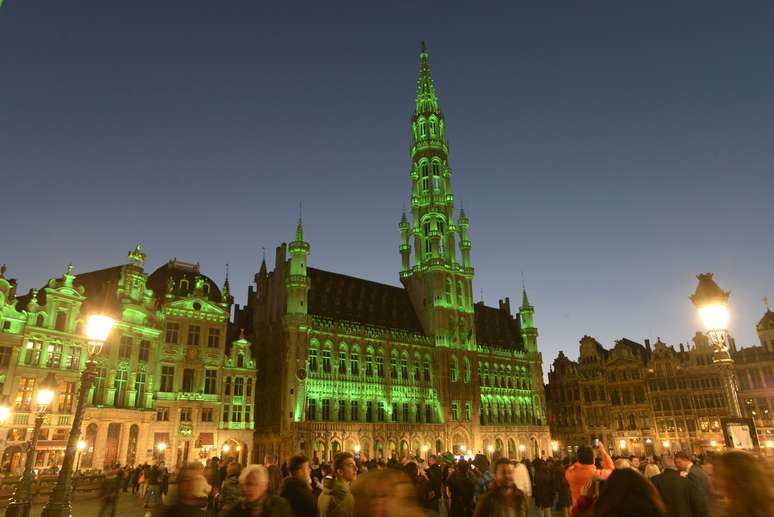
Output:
[[745, 484], [447, 469], [275, 473], [420, 484], [651, 470], [435, 483], [504, 498], [230, 490], [563, 494], [704, 504], [588, 496], [523, 479], [385, 492], [484, 477], [192, 493], [297, 487], [584, 469], [674, 489], [622, 463], [545, 489], [153, 487], [628, 493], [142, 479], [636, 463], [134, 479], [461, 490], [163, 480], [336, 498], [109, 491], [256, 499], [326, 471]]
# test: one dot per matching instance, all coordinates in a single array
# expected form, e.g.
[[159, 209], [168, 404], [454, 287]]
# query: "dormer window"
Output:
[[240, 361]]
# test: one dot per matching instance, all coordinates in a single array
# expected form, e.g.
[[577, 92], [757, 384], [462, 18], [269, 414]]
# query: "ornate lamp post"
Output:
[[97, 331], [712, 303], [21, 500]]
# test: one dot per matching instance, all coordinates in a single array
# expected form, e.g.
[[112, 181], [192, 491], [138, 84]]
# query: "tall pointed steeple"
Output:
[[439, 278]]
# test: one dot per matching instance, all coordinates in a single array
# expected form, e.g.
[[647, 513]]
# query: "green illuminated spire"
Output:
[[297, 281], [427, 99]]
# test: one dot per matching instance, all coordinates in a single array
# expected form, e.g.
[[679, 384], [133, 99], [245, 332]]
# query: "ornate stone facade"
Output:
[[349, 364], [167, 374], [643, 399]]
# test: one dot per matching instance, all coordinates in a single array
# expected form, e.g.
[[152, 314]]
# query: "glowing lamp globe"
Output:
[[554, 446], [425, 448], [5, 412], [712, 303], [46, 391], [226, 447], [161, 446], [81, 445], [490, 448], [357, 449], [522, 447], [98, 328], [715, 316]]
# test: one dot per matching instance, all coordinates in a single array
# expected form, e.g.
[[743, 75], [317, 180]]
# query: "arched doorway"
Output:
[[90, 437], [231, 450], [438, 446], [511, 449], [499, 446], [131, 448], [392, 449], [458, 444], [535, 448], [403, 449], [335, 448], [378, 449], [111, 446], [319, 451]]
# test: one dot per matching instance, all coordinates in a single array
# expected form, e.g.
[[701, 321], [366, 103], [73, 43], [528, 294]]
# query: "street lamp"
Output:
[[622, 444], [666, 444], [712, 304], [98, 327], [21, 500], [522, 448], [554, 446], [81, 447]]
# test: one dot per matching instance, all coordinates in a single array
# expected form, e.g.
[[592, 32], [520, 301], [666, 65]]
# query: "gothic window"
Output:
[[312, 360], [455, 413], [326, 409], [467, 371], [620, 423], [54, 356], [455, 369], [61, 321], [394, 365], [342, 412], [405, 412], [369, 362], [418, 414], [463, 331], [40, 320], [311, 409], [404, 367], [354, 411], [448, 293], [188, 380], [432, 127], [125, 347], [120, 384], [144, 353], [342, 362], [436, 176], [429, 414], [380, 411], [194, 332], [632, 423], [426, 368], [422, 128], [460, 294], [167, 379], [395, 414], [380, 364], [240, 360], [171, 334], [425, 175], [139, 387], [326, 361], [354, 362], [369, 411]]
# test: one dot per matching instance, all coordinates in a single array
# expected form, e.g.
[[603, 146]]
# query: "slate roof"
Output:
[[157, 281], [497, 328], [342, 297]]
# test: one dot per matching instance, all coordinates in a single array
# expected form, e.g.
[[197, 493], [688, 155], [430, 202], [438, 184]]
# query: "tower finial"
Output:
[[766, 302], [423, 47]]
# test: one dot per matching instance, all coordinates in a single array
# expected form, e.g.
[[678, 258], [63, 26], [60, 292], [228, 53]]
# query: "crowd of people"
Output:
[[591, 485]]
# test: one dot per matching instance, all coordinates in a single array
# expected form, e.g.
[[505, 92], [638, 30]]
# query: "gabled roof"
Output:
[[497, 328], [767, 319], [342, 297]]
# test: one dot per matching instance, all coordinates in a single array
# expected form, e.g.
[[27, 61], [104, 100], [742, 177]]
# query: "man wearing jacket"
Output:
[[579, 473], [336, 499]]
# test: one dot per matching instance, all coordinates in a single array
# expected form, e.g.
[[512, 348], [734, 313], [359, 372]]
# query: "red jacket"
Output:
[[579, 474]]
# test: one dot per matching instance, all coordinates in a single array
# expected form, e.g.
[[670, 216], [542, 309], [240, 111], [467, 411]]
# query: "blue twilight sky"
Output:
[[609, 151]]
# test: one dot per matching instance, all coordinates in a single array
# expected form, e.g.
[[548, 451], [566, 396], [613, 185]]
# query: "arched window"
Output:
[[426, 368], [466, 370], [404, 366], [416, 367], [380, 364], [632, 423], [436, 176], [449, 296], [455, 369], [240, 361], [61, 320], [432, 127], [184, 284], [463, 331], [369, 361], [425, 175], [394, 365], [312, 359], [422, 128], [40, 320], [354, 361], [227, 386], [460, 294]]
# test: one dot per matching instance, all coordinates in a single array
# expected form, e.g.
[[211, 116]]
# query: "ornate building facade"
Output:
[[643, 399], [350, 364], [169, 374]]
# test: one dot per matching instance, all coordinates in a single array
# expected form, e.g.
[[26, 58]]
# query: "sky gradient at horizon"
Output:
[[609, 152]]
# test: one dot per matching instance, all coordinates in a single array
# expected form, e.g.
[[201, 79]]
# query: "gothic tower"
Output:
[[438, 282]]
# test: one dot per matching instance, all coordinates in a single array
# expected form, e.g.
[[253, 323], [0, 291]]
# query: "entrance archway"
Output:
[[131, 448], [111, 447], [231, 450], [511, 449], [90, 438]]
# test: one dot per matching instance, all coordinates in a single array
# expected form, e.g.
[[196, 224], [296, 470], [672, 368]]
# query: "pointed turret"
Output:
[[427, 100], [297, 281], [405, 248], [529, 332]]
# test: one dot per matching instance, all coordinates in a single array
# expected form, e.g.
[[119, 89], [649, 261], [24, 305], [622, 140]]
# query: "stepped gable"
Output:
[[342, 297], [497, 328]]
